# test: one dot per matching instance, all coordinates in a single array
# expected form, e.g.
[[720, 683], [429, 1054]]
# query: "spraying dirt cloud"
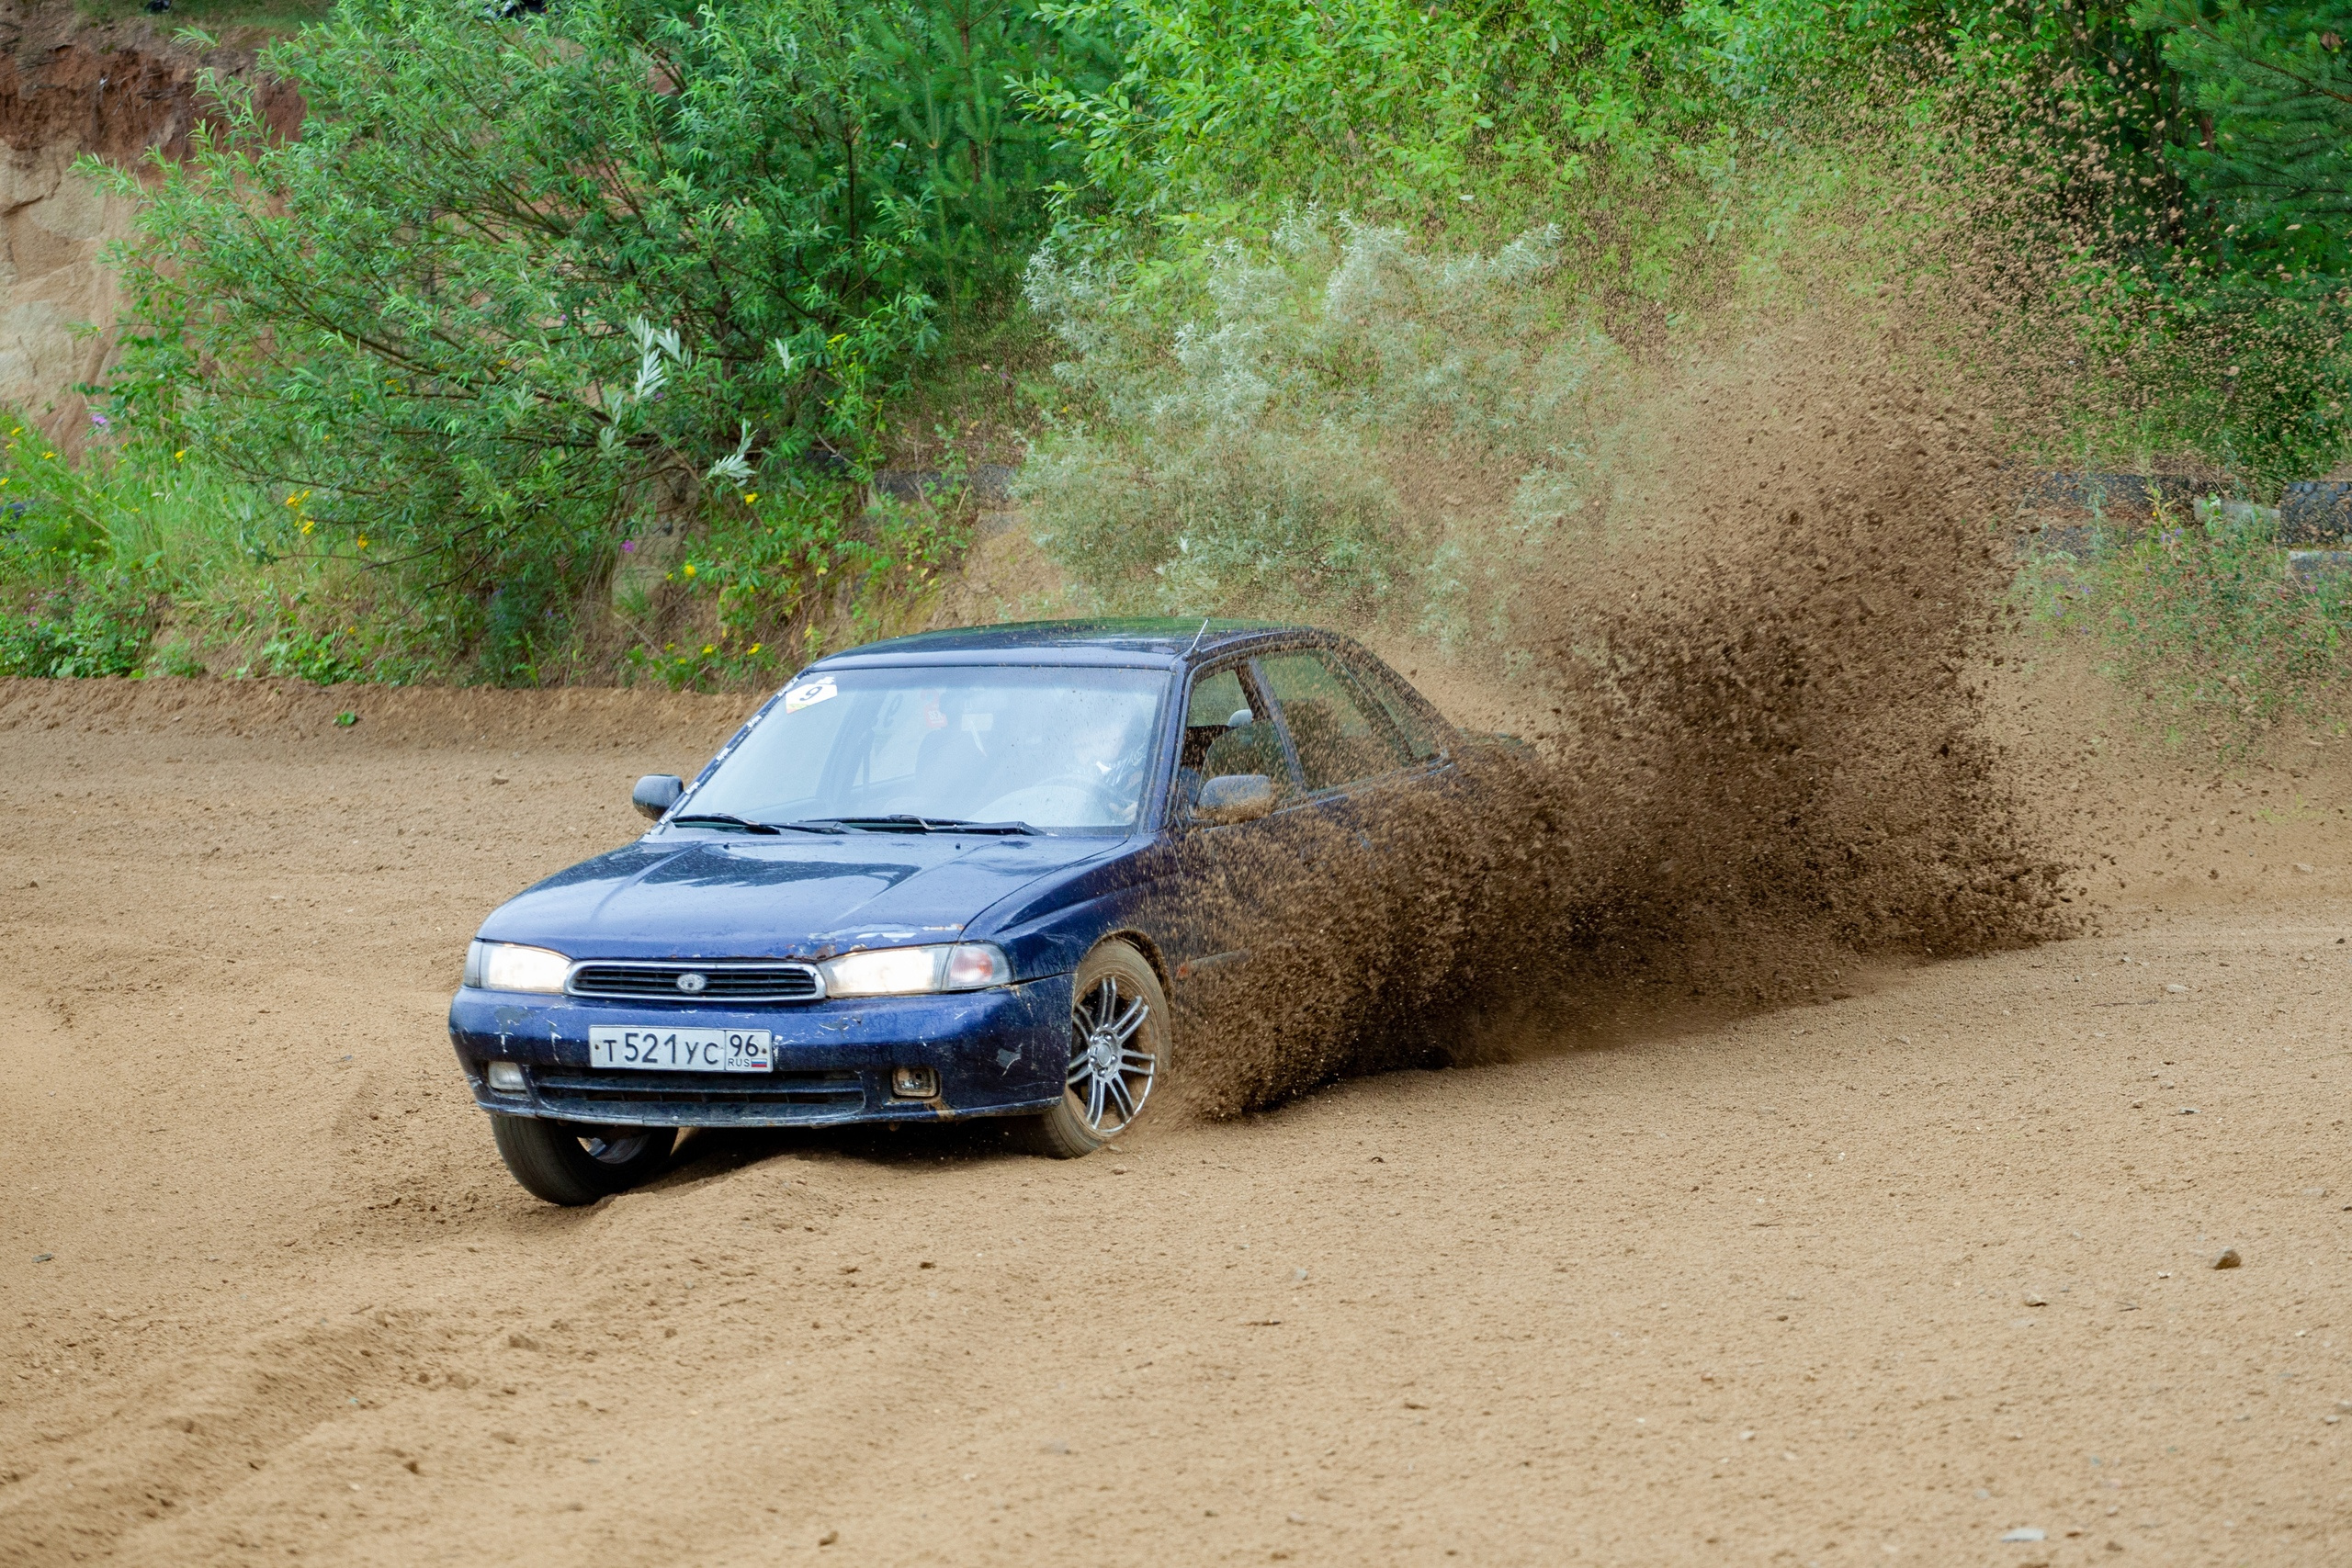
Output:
[[1753, 683]]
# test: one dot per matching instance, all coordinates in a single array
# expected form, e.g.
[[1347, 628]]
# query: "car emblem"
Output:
[[691, 982]]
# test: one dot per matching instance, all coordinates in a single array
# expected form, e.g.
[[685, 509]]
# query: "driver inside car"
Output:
[[1112, 748]]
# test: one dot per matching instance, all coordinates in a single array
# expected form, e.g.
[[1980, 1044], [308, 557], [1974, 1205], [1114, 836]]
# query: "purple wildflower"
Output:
[[628, 546]]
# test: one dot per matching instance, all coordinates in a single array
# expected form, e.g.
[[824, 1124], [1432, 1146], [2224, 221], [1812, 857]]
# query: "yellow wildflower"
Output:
[[362, 541], [690, 569], [755, 647], [180, 455], [308, 524], [749, 499], [708, 649]]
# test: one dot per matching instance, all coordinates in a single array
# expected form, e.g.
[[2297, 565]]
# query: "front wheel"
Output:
[[1119, 1052], [568, 1163]]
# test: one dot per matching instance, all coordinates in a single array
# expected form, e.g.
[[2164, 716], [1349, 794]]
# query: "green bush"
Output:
[[319, 656], [2205, 618], [2161, 188], [99, 626], [1386, 107], [770, 576], [2190, 243], [2268, 138], [520, 289], [1242, 456], [529, 301]]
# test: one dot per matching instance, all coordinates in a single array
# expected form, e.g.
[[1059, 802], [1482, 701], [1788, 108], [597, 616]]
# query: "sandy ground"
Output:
[[1876, 1280]]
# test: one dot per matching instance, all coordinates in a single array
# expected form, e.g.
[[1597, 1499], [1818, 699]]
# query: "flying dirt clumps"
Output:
[[1768, 757], [1771, 698]]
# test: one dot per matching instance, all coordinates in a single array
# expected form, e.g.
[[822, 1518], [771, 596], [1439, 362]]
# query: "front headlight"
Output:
[[508, 966], [913, 971]]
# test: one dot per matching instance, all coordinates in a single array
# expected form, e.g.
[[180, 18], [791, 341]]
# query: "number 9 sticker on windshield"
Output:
[[683, 1050], [810, 693]]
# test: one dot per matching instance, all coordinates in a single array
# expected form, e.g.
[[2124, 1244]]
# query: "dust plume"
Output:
[[1736, 579], [1754, 693]]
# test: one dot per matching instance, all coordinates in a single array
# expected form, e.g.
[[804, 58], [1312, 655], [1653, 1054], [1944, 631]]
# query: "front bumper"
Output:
[[997, 1052]]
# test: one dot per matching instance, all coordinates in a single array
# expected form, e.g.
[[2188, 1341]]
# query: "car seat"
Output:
[[949, 764]]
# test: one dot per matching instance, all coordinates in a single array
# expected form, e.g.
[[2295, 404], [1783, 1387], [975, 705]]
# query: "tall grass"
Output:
[[135, 559], [2203, 616]]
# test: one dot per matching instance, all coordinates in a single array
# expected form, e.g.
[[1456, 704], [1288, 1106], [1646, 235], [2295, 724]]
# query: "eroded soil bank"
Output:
[[1875, 1280], [126, 90]]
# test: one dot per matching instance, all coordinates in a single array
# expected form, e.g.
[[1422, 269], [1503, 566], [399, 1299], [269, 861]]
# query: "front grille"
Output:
[[579, 1092], [721, 981]]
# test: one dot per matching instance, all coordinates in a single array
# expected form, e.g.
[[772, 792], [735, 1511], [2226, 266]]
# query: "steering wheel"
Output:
[[1101, 792]]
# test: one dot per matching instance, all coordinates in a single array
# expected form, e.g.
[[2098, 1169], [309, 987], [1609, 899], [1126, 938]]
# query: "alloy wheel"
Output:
[[1110, 1072]]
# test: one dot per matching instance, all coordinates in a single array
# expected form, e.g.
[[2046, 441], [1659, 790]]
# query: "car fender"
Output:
[[1048, 926]]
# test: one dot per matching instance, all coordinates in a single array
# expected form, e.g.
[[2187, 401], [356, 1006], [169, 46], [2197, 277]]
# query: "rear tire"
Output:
[[572, 1164], [1119, 1045]]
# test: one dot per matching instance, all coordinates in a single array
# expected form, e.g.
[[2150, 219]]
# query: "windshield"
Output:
[[1051, 747]]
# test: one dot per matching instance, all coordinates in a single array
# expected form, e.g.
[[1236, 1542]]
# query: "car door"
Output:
[[1368, 826], [1228, 878]]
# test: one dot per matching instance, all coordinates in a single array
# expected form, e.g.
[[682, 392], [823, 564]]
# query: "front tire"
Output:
[[1119, 1044], [573, 1164]]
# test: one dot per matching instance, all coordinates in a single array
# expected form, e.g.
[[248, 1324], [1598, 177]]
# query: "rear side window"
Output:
[[1422, 739], [1338, 738]]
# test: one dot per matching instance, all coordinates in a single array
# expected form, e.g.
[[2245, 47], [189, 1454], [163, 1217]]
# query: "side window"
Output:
[[1422, 739], [1226, 734], [1215, 699], [1337, 740]]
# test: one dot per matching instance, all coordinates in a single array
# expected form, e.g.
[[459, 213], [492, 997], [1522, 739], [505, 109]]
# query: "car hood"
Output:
[[802, 897]]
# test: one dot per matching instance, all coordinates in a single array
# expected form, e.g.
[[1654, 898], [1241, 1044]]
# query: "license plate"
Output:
[[683, 1050]]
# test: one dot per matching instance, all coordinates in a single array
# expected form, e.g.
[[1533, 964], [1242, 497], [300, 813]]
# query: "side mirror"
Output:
[[656, 792], [1235, 797]]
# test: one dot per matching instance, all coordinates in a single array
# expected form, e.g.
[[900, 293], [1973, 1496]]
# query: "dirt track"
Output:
[[1873, 1280]]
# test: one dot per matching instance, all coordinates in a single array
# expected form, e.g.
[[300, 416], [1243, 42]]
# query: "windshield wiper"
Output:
[[729, 819], [907, 822]]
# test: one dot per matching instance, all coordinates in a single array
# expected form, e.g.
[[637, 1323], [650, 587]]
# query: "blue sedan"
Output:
[[957, 875]]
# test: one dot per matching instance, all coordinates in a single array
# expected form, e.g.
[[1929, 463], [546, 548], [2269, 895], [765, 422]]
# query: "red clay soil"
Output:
[[117, 89]]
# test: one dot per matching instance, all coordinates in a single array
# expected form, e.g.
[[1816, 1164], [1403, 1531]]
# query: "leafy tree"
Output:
[[2271, 90], [519, 284], [942, 83], [1382, 106]]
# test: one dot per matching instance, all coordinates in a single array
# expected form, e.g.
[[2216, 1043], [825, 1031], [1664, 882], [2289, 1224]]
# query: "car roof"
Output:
[[1165, 640]]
